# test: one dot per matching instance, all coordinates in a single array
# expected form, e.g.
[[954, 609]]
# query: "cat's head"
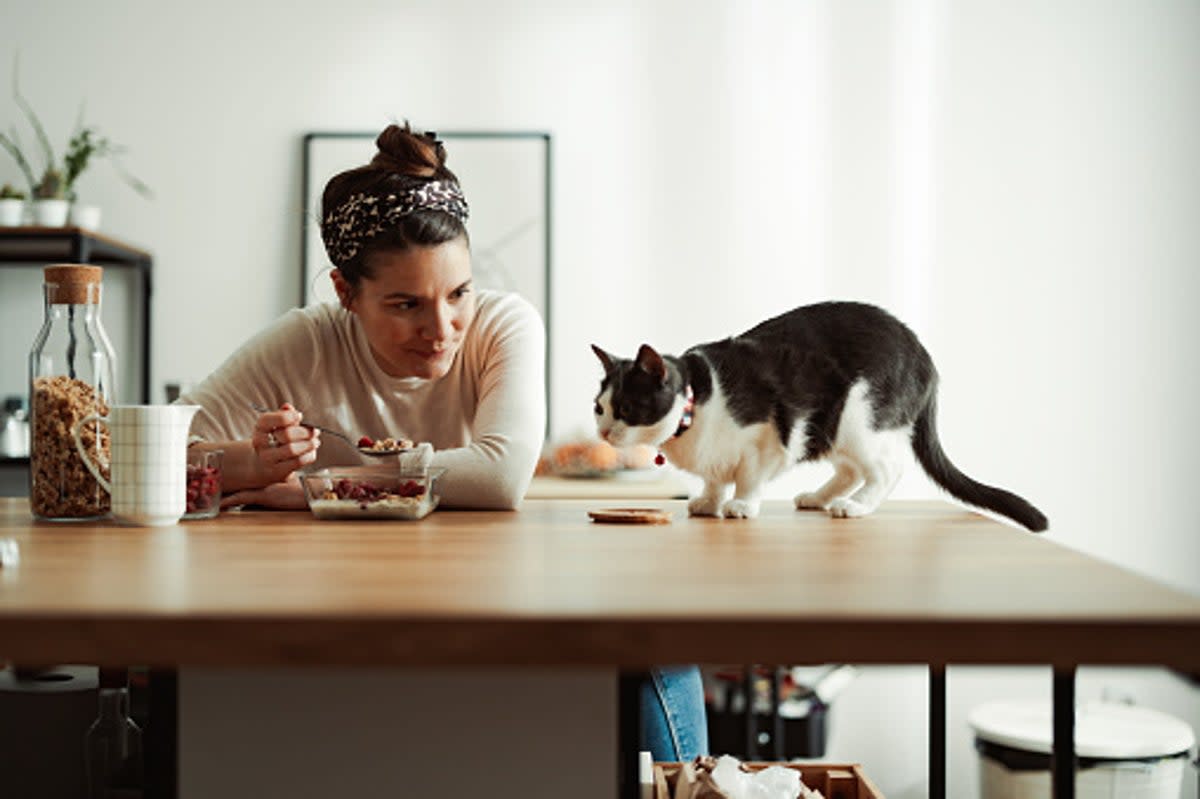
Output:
[[640, 401]]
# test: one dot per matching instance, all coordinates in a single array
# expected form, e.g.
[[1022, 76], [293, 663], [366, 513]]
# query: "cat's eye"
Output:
[[598, 409]]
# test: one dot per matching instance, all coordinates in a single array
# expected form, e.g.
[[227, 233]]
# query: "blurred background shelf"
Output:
[[125, 311], [34, 247]]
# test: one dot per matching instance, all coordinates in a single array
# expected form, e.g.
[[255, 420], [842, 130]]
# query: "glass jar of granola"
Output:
[[71, 369]]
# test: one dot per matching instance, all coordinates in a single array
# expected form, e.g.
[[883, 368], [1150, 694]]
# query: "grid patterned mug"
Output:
[[148, 461]]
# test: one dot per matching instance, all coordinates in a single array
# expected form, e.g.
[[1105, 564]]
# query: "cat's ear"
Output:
[[604, 357], [651, 362]]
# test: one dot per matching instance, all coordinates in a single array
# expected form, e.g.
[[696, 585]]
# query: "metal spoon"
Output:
[[374, 453]]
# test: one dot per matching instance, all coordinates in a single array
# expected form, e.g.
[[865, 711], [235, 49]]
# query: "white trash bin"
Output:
[[1123, 751]]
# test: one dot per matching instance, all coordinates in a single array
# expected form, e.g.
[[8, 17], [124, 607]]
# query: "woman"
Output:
[[412, 350]]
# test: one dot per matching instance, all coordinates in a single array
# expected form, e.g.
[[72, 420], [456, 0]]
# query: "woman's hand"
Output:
[[282, 445], [287, 495]]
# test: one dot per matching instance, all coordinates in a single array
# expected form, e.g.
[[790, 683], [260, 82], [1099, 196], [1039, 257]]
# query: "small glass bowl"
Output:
[[371, 492], [203, 483]]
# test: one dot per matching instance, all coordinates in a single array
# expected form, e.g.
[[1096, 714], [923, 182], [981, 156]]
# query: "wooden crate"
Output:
[[834, 781]]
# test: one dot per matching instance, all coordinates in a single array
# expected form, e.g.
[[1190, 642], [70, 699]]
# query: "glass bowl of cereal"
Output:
[[371, 492]]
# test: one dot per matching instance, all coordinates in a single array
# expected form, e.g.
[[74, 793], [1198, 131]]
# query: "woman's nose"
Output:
[[440, 323]]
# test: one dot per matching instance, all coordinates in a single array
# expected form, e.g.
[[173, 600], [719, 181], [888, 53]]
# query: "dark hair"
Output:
[[404, 160]]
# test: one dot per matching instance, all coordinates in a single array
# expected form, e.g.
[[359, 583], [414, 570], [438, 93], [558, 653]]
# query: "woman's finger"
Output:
[[286, 416], [276, 447], [279, 436], [295, 455], [281, 460]]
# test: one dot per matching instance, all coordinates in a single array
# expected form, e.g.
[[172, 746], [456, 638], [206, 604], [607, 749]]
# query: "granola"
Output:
[[61, 487]]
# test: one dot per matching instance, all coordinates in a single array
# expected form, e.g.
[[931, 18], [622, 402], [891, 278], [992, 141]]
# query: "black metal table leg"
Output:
[[629, 727], [160, 741], [937, 732], [1062, 762]]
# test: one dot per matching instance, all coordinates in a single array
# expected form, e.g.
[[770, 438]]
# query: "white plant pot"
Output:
[[12, 212], [50, 213], [86, 216]]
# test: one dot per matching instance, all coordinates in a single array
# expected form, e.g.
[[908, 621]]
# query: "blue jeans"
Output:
[[674, 722]]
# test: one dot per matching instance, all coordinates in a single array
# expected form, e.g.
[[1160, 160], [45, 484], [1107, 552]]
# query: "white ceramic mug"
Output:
[[148, 461]]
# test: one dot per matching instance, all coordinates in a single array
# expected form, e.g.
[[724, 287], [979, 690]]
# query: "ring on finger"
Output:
[[272, 441]]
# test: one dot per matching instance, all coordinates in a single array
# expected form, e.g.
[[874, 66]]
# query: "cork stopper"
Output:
[[72, 281]]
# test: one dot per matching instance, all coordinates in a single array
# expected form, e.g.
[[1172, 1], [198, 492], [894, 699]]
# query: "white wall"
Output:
[[1018, 180]]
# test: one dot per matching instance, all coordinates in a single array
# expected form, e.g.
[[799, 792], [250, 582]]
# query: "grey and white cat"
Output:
[[839, 381]]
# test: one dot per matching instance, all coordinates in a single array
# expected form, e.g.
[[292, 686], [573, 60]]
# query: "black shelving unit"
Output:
[[34, 247], [38, 246]]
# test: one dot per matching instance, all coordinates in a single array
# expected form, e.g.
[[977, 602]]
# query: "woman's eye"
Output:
[[401, 306], [459, 292]]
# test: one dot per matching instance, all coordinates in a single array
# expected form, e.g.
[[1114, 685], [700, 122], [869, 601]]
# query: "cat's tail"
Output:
[[932, 458]]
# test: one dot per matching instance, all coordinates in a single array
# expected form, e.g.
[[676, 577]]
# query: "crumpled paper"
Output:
[[726, 777]]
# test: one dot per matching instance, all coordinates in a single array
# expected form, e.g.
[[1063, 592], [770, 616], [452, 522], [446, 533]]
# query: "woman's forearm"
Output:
[[486, 475]]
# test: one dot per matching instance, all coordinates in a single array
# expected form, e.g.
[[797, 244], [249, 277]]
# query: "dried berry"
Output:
[[203, 487], [364, 491]]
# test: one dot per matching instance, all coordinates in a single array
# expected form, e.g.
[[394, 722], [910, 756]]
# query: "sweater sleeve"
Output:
[[494, 470], [271, 368]]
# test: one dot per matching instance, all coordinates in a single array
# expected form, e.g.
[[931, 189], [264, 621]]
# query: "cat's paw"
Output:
[[704, 506], [740, 509], [847, 509], [810, 500]]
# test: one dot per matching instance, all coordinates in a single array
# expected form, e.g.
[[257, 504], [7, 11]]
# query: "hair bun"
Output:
[[408, 153]]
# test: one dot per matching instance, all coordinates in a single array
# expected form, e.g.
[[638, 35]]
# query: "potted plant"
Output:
[[50, 203], [12, 206], [54, 191]]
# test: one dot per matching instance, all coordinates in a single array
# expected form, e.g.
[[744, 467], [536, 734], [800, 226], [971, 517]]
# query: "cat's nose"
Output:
[[605, 433]]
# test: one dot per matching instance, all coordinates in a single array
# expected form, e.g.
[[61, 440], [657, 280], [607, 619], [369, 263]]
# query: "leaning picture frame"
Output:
[[506, 177]]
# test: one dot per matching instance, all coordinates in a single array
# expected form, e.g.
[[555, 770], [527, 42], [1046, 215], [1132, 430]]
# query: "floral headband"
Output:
[[362, 216]]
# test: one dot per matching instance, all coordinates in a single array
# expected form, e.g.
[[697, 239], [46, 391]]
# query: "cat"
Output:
[[845, 382]]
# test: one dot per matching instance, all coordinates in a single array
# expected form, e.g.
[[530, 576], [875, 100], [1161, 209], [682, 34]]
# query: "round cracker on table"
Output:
[[631, 516]]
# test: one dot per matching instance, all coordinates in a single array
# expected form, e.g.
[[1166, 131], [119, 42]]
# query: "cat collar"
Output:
[[685, 420], [689, 410]]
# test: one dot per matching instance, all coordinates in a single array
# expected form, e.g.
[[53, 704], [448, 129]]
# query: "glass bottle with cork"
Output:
[[71, 368], [113, 744]]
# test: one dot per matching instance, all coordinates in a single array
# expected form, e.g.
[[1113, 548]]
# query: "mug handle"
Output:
[[87, 459]]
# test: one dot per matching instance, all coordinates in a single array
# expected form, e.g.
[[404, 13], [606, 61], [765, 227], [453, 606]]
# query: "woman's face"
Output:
[[416, 309]]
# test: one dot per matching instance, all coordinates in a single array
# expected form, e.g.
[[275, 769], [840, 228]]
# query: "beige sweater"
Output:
[[485, 418]]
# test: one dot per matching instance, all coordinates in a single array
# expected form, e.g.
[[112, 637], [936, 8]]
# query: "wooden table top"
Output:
[[917, 582]]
